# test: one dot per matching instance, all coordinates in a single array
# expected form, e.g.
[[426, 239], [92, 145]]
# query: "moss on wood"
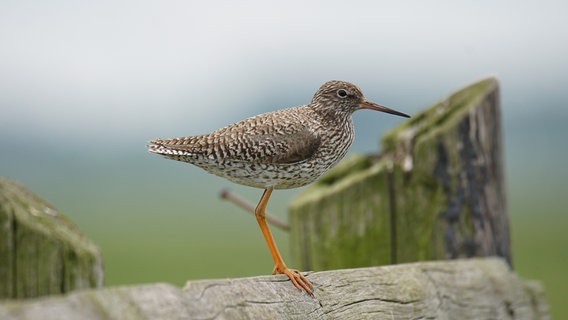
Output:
[[41, 251]]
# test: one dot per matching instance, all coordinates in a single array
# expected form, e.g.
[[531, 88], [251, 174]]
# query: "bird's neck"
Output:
[[333, 117]]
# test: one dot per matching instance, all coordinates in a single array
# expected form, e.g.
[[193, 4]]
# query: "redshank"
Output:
[[282, 149]]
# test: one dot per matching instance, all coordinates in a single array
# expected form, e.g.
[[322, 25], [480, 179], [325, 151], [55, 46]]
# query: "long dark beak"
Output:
[[366, 104]]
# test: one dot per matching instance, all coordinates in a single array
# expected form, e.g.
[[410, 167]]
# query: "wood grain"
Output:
[[460, 289]]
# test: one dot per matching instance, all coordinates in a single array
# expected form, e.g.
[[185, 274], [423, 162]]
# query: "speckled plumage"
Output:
[[283, 149]]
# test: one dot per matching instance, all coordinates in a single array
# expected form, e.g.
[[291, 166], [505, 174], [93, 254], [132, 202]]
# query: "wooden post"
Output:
[[460, 289], [436, 191], [41, 251]]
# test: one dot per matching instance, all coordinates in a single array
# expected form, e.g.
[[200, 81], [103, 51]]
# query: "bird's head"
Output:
[[346, 97]]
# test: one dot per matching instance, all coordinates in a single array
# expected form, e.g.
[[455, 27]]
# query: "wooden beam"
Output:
[[460, 289]]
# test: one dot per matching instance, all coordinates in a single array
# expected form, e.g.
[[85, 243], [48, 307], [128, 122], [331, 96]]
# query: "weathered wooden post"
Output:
[[436, 191], [41, 251]]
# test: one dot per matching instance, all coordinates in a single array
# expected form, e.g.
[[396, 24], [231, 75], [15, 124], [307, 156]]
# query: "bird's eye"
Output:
[[342, 93]]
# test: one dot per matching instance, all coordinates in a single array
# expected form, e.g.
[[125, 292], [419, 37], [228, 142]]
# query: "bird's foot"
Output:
[[296, 277]]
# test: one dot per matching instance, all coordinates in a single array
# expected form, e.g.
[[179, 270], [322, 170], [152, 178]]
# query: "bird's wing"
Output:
[[286, 147], [256, 143]]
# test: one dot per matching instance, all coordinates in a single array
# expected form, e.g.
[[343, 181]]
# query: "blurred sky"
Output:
[[112, 70], [84, 85]]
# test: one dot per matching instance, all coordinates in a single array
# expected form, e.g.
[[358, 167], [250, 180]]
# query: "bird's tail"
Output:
[[172, 147]]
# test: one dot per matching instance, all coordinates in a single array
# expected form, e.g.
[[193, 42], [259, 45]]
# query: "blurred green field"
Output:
[[539, 240]]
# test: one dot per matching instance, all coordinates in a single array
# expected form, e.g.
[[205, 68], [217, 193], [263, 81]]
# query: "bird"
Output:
[[281, 149]]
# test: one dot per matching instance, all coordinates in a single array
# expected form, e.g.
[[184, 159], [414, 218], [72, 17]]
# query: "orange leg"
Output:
[[279, 266]]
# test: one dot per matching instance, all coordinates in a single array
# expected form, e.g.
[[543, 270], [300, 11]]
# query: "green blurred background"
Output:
[[83, 86]]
